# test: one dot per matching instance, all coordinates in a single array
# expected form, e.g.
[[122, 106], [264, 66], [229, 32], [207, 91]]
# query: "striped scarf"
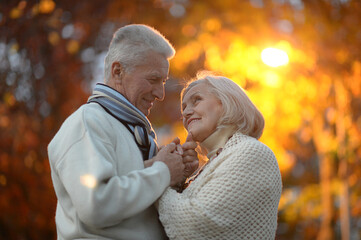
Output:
[[134, 120]]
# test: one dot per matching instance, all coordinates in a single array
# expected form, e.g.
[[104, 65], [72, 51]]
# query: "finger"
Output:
[[189, 137], [170, 147], [190, 153], [189, 146], [188, 159], [176, 140], [194, 166], [191, 167], [179, 149]]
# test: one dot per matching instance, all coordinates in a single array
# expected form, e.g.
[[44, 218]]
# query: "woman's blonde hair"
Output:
[[238, 109]]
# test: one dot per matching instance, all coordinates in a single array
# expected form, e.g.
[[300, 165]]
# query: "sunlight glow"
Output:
[[274, 57], [88, 181], [271, 79]]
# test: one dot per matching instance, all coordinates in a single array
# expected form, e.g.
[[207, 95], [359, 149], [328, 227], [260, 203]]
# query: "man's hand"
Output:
[[169, 155], [190, 156], [149, 162], [179, 150]]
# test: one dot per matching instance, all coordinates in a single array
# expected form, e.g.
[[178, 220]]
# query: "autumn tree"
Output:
[[51, 54]]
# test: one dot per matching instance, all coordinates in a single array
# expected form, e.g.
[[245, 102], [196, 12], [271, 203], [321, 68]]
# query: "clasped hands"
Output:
[[182, 160]]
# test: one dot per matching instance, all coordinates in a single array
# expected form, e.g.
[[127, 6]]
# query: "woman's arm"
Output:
[[239, 198]]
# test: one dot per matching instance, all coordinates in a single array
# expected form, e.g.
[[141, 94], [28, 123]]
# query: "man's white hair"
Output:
[[132, 43], [238, 109]]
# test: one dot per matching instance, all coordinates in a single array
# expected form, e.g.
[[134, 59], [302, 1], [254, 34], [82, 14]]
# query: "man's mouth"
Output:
[[149, 103]]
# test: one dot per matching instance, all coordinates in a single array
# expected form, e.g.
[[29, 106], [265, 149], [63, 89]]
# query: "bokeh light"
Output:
[[274, 57]]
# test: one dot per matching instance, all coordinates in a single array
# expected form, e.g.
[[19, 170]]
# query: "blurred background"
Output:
[[299, 60]]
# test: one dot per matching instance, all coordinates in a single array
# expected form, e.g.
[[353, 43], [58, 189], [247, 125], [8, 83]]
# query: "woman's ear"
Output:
[[117, 72]]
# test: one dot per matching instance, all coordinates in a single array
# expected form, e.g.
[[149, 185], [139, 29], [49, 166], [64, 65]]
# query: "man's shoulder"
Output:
[[87, 118], [75, 126], [87, 115]]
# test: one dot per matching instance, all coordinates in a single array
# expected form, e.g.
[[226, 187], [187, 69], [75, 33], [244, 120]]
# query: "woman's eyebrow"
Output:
[[193, 95]]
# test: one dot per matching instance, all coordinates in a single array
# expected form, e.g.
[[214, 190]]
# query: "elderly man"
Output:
[[106, 168]]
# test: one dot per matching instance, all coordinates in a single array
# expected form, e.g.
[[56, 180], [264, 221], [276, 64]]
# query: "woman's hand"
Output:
[[178, 150], [190, 156]]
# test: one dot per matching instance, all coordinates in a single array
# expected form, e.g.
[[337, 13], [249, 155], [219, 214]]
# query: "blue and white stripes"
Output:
[[136, 122]]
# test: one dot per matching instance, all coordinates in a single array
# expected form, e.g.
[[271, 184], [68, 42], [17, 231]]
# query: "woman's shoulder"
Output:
[[240, 144], [245, 152], [241, 140]]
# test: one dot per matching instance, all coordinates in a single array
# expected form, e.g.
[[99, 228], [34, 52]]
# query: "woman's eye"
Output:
[[183, 108], [197, 99]]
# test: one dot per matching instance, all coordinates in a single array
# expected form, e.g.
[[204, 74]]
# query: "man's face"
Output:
[[145, 83]]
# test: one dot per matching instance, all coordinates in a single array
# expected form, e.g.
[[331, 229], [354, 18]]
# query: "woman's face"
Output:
[[201, 111]]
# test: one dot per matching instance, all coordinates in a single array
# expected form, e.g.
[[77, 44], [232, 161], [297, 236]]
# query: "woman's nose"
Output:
[[187, 112]]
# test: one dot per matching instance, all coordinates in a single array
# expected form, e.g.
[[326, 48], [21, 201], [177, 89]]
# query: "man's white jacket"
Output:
[[103, 190]]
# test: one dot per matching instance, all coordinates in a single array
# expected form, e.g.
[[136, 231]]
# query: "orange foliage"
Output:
[[312, 106]]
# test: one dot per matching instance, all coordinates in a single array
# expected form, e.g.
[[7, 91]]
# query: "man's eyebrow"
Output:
[[157, 76]]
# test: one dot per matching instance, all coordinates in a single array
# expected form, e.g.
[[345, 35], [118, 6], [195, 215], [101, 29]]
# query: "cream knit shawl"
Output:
[[235, 197]]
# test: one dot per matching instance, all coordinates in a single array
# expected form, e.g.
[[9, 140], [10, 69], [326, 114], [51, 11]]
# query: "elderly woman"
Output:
[[235, 195]]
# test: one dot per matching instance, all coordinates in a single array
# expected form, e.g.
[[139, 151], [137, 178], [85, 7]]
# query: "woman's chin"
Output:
[[196, 136]]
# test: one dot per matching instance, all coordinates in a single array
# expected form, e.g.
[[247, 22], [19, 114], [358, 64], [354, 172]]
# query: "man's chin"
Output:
[[146, 112]]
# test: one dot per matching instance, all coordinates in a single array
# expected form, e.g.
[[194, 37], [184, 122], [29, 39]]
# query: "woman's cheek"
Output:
[[195, 135]]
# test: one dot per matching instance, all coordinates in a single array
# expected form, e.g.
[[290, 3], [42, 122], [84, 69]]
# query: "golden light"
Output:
[[88, 181], [274, 57], [46, 6]]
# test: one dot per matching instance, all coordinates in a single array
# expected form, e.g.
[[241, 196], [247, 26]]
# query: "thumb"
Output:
[[170, 147], [189, 138], [176, 141]]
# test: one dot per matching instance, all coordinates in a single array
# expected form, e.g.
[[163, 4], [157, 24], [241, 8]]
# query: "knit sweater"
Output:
[[98, 173], [236, 196]]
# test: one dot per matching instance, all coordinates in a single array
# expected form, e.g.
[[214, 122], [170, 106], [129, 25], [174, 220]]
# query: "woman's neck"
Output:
[[217, 140]]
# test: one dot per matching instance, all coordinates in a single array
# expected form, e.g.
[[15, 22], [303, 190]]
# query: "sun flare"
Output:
[[274, 57]]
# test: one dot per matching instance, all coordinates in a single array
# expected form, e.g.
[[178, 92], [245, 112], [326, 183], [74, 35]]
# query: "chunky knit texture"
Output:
[[236, 196]]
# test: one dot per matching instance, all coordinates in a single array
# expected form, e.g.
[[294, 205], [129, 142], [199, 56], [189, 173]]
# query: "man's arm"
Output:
[[85, 161], [101, 197]]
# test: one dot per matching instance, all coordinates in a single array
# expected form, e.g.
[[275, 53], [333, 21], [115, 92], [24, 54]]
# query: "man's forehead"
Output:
[[158, 72], [152, 69]]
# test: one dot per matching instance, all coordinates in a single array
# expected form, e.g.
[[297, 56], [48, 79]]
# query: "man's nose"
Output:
[[158, 92]]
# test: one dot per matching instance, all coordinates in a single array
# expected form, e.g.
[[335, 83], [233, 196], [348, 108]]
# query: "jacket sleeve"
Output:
[[88, 173], [240, 195]]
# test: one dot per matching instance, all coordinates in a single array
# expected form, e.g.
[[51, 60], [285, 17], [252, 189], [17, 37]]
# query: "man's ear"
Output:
[[117, 72]]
